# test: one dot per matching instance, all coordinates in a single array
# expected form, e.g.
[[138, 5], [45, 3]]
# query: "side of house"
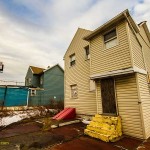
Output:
[[53, 84], [45, 85], [78, 92], [115, 54], [118, 65], [144, 80]]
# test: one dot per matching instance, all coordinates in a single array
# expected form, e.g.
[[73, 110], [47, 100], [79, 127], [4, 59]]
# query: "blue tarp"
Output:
[[13, 96]]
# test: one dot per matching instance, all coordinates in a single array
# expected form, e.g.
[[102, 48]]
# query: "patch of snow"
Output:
[[18, 116], [86, 121]]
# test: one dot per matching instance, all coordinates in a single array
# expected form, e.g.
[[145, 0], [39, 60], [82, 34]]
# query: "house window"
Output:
[[33, 92], [74, 91], [72, 60], [110, 39], [92, 85], [29, 81], [87, 52]]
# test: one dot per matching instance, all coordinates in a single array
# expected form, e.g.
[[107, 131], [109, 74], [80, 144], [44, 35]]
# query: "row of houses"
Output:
[[43, 87], [106, 71]]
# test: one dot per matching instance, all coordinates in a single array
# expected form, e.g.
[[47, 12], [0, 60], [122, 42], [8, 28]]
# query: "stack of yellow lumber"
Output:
[[106, 128]]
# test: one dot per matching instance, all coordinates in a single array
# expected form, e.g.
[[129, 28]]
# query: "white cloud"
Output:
[[142, 12], [42, 40]]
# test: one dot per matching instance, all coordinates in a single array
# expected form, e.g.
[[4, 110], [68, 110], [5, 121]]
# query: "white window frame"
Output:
[[33, 92], [92, 85], [74, 91], [115, 38], [72, 60]]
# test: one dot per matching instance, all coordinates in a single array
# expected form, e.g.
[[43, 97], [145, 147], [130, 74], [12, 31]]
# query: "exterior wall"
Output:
[[127, 102], [114, 58], [145, 47], [79, 74], [144, 94], [136, 50], [41, 78], [52, 89], [54, 84], [37, 100], [36, 80], [28, 75]]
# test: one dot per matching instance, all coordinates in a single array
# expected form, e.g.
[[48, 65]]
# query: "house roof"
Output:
[[53, 67], [123, 15], [79, 29], [37, 70]]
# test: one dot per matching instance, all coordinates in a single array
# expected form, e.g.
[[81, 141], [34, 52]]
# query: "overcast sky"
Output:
[[38, 32]]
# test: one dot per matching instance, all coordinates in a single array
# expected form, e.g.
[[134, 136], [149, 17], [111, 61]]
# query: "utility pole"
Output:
[[1, 67]]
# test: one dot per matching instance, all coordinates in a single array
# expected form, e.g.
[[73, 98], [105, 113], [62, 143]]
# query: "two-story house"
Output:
[[34, 76], [46, 85], [107, 72]]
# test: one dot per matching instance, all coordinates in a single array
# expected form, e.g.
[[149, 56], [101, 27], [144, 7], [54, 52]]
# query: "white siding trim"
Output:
[[118, 72], [112, 73], [138, 70]]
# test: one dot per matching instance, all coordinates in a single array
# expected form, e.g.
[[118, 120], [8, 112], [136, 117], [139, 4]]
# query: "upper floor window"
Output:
[[110, 39], [72, 59], [74, 91], [87, 52], [28, 81]]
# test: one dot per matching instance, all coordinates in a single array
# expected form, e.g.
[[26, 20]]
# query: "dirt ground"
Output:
[[30, 136]]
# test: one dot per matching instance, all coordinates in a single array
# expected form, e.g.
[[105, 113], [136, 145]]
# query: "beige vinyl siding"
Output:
[[114, 58], [128, 107], [142, 32], [145, 101], [136, 49], [79, 74], [145, 48], [127, 104]]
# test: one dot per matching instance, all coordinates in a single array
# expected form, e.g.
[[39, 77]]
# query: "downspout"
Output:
[[28, 99]]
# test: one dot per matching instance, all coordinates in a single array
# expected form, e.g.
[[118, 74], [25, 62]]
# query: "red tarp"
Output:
[[67, 113]]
